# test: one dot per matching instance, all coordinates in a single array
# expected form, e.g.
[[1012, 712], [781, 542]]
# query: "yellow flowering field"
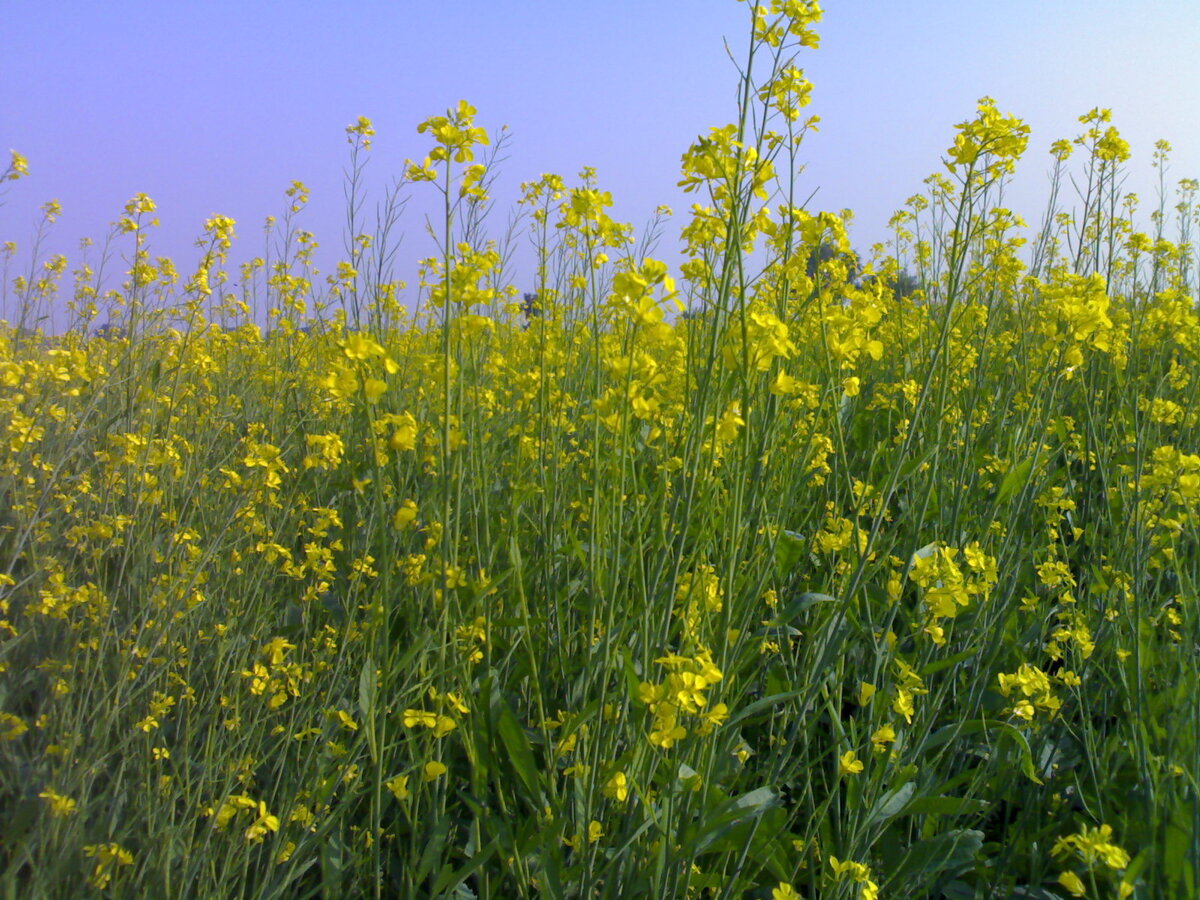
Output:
[[792, 575]]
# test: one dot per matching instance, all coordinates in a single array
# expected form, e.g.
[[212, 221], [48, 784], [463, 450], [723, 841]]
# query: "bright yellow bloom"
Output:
[[1072, 883], [18, 167], [617, 787], [405, 435], [850, 764], [883, 736], [415, 717], [11, 727], [374, 388], [344, 719], [406, 514], [263, 825], [60, 805], [108, 857], [398, 786], [1092, 845], [666, 733]]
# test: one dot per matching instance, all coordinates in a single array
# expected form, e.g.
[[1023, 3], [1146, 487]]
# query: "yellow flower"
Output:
[[666, 732], [108, 856], [374, 388], [713, 717], [850, 763], [415, 717], [344, 719], [784, 892], [883, 735], [363, 127], [11, 727], [433, 771], [730, 422], [1072, 883], [866, 691], [855, 870], [1092, 845], [361, 347], [617, 787], [406, 514], [784, 384], [262, 825], [398, 786], [18, 167], [60, 805]]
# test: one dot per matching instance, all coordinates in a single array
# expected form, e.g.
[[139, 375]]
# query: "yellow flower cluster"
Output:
[[681, 698]]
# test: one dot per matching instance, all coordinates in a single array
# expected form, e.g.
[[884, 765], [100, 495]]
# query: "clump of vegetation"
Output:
[[845, 584]]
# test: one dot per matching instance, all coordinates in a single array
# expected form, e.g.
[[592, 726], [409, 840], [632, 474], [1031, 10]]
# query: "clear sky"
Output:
[[214, 107]]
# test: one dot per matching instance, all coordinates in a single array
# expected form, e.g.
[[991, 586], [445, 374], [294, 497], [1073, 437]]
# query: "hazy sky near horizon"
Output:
[[215, 108]]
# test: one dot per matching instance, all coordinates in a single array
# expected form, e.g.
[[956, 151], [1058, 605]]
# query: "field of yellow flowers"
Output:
[[770, 582]]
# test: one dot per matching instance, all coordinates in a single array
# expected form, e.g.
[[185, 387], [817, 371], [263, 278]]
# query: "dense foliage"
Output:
[[776, 582]]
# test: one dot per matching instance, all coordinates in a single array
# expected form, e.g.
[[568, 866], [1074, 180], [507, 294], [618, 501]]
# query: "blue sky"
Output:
[[215, 107]]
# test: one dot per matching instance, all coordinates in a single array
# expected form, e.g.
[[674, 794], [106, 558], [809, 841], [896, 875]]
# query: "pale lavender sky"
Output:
[[214, 107]]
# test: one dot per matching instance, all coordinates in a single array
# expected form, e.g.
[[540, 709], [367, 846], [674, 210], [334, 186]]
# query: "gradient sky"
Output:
[[215, 107]]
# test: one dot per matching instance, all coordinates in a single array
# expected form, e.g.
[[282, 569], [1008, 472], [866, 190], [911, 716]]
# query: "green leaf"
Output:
[[1134, 869], [750, 710], [732, 825], [333, 866], [449, 879], [757, 800], [893, 802], [1014, 478], [520, 751], [1032, 892], [799, 605], [927, 550], [983, 726], [366, 689], [366, 705], [945, 806], [435, 835], [632, 681], [790, 548], [939, 664], [958, 890], [950, 851]]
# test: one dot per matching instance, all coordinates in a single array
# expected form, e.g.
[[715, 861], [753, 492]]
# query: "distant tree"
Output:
[[905, 284], [109, 332], [828, 250], [902, 283], [531, 307]]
